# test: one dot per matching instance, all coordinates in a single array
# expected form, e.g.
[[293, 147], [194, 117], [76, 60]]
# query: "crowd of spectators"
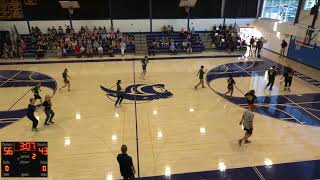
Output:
[[85, 43], [168, 40], [12, 48], [167, 29], [223, 37]]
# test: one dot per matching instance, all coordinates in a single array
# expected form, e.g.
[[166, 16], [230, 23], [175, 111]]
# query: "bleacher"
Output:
[[177, 39], [31, 48]]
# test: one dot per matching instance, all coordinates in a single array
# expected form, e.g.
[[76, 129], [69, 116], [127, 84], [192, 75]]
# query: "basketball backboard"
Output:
[[306, 36], [69, 4], [187, 3]]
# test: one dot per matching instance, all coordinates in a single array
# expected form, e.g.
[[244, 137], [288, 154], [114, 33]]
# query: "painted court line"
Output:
[[258, 173], [11, 78], [303, 108]]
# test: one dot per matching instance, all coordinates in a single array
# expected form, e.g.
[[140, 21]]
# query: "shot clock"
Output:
[[24, 159]]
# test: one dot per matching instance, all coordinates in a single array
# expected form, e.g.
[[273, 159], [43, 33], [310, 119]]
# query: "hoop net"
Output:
[[70, 10], [187, 9]]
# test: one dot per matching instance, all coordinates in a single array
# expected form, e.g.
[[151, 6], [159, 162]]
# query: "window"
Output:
[[283, 10], [309, 4]]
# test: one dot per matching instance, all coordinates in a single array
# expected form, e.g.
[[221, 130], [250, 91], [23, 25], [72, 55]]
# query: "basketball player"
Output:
[[120, 94], [288, 74], [66, 80], [201, 73], [47, 109], [283, 45], [271, 77], [231, 83], [251, 46], [247, 122], [144, 63], [251, 97], [30, 114], [127, 169], [36, 91]]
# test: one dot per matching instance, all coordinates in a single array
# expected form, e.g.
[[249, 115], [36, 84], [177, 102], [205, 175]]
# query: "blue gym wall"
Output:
[[308, 56]]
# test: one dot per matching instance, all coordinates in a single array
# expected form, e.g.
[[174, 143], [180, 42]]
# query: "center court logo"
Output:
[[141, 92]]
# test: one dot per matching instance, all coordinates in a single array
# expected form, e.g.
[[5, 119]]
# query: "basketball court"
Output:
[[172, 128]]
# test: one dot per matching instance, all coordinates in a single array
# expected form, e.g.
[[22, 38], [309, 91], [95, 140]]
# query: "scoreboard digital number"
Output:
[[24, 159]]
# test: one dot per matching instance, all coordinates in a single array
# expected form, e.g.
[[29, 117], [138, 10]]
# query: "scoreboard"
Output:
[[24, 159]]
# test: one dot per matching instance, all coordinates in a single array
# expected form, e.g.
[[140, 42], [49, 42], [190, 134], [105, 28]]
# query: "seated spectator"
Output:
[[59, 52], [82, 30], [189, 47], [164, 29], [21, 48], [68, 30], [65, 50], [39, 52], [6, 51], [123, 47], [193, 31], [100, 50], [173, 49], [89, 50], [166, 42], [185, 45], [168, 29], [182, 31], [151, 50], [53, 30], [111, 51], [95, 46], [83, 51], [154, 43], [60, 31], [77, 51], [198, 41], [49, 30]]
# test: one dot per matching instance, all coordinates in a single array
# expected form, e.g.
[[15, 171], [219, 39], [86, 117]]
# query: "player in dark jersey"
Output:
[[144, 63], [288, 75], [200, 74], [48, 110], [30, 114], [251, 97], [127, 169], [120, 94], [271, 77], [66, 80], [251, 46], [36, 92], [231, 84]]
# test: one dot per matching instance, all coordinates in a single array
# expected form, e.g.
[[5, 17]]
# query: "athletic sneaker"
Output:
[[247, 142], [240, 141]]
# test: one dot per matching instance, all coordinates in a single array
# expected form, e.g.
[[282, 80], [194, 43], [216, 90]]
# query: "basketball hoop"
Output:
[[70, 5], [187, 4], [305, 37]]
